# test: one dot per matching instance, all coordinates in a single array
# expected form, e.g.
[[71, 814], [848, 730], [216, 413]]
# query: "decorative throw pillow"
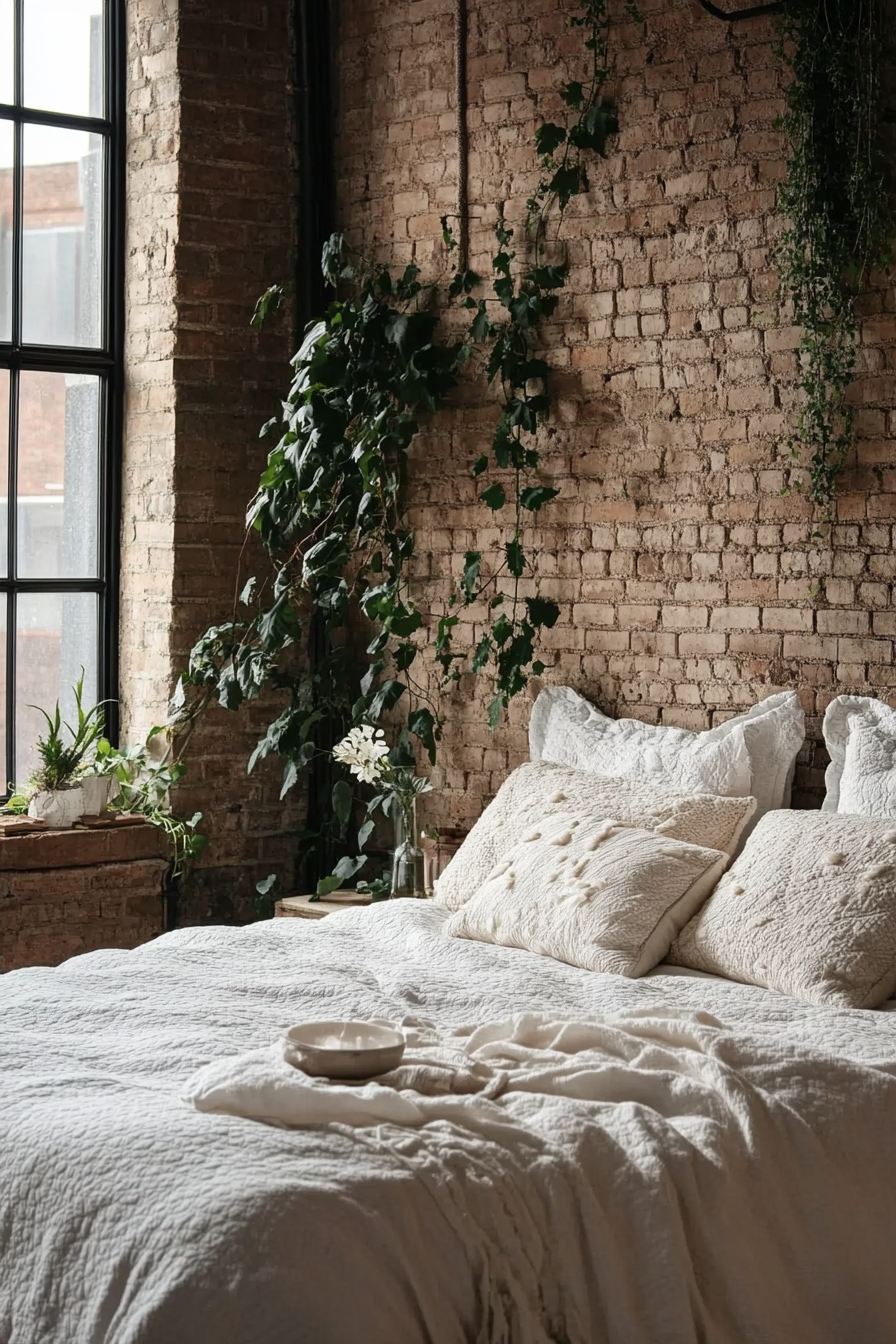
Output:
[[539, 790], [809, 909], [860, 735], [597, 893], [753, 753]]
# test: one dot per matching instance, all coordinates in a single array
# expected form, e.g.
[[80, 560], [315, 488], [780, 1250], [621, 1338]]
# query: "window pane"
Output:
[[57, 502], [64, 56], [4, 480], [56, 635], [6, 218], [63, 237], [6, 51], [7, 89]]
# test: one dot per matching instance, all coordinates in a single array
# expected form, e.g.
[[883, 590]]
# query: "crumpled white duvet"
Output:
[[677, 1159], [457, 1076]]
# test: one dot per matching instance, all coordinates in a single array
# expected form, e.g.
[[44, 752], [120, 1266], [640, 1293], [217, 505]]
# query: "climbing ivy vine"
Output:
[[525, 295], [836, 204], [330, 510]]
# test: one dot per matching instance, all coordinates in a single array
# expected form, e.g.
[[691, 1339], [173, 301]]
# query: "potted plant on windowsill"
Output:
[[57, 792]]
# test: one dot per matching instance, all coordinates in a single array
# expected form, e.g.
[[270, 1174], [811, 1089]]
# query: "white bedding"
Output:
[[735, 1186]]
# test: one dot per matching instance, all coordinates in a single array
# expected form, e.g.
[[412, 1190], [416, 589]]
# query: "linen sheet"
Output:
[[734, 1183]]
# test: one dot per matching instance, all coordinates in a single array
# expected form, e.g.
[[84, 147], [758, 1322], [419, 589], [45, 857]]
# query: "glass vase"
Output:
[[407, 856]]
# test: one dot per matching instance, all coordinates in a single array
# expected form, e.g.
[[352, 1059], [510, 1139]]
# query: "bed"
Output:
[[734, 1183]]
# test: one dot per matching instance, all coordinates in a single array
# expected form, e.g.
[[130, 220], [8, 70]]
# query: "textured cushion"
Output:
[[860, 735], [753, 753], [596, 893], [809, 909], [536, 791]]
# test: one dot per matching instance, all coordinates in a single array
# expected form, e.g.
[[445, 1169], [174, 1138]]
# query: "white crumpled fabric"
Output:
[[654, 1176]]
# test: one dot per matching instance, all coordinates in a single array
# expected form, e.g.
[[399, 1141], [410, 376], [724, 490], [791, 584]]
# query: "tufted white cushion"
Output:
[[539, 790], [753, 753], [595, 893], [809, 909], [860, 735]]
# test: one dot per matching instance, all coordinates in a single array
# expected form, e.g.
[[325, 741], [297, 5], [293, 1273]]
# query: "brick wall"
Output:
[[211, 224], [683, 574], [71, 892]]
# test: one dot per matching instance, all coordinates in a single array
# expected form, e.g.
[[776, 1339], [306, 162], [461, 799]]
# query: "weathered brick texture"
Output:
[[690, 585], [211, 193], [71, 892]]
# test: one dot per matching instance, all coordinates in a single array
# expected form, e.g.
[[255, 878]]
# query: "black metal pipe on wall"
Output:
[[316, 221], [314, 149]]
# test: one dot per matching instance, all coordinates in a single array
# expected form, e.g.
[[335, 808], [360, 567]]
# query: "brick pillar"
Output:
[[211, 224]]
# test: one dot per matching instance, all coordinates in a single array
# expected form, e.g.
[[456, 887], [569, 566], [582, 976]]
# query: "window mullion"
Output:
[[18, 29]]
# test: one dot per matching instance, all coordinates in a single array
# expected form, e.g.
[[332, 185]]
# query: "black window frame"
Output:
[[107, 362]]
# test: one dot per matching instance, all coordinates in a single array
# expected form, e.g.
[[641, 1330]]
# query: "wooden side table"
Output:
[[303, 907]]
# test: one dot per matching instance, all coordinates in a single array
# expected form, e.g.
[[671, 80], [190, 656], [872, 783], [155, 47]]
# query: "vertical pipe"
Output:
[[314, 147], [463, 150], [314, 152]]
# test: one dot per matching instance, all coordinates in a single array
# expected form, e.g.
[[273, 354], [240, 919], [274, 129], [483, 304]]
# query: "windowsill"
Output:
[[80, 848]]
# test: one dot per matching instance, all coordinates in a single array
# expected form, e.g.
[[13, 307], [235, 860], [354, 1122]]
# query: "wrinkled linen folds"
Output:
[[677, 1160]]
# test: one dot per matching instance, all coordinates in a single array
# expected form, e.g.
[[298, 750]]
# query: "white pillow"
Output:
[[860, 735], [753, 753], [809, 909], [539, 790], [595, 893]]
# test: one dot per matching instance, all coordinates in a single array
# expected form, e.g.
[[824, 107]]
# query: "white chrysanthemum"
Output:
[[363, 752]]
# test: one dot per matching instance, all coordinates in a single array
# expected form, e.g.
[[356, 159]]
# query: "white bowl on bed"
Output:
[[349, 1050]]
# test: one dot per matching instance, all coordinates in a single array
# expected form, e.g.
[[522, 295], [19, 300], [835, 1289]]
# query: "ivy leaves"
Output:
[[592, 120], [329, 511], [507, 648], [836, 204]]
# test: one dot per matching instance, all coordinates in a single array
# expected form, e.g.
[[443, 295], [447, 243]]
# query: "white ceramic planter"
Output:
[[95, 789], [58, 807]]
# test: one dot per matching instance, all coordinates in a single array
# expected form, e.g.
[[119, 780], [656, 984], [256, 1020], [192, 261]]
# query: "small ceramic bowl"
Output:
[[349, 1050]]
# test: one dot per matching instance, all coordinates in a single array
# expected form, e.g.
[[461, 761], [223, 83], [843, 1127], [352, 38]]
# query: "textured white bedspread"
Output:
[[732, 1185]]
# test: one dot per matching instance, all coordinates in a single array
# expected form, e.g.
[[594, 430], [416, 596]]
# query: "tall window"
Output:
[[61, 194]]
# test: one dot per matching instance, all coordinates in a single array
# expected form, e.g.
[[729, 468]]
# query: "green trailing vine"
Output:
[[528, 295], [836, 205], [330, 510], [330, 513]]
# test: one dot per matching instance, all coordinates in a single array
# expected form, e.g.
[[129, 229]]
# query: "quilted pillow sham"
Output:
[[753, 753], [808, 909], [539, 790], [860, 735], [595, 893]]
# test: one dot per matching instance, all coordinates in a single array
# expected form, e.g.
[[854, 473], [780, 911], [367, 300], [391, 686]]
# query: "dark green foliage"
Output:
[[835, 200], [529, 295], [329, 511]]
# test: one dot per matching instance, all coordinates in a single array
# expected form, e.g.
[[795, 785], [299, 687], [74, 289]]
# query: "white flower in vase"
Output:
[[364, 752]]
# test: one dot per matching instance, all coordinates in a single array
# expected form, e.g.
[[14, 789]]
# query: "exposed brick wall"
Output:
[[211, 224], [76, 891], [682, 573]]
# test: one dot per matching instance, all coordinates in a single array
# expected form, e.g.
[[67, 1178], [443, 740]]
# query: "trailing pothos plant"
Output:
[[330, 510], [330, 513], [525, 295], [837, 208]]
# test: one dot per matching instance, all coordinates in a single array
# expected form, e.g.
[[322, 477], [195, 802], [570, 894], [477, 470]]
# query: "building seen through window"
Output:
[[59, 371]]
